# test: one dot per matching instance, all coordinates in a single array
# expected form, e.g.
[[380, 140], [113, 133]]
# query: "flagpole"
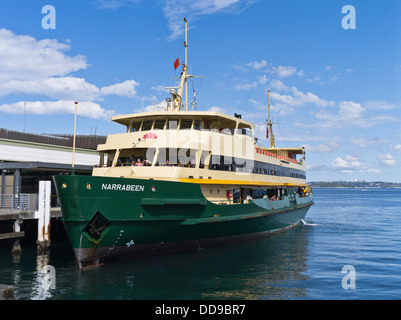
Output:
[[73, 141], [269, 123]]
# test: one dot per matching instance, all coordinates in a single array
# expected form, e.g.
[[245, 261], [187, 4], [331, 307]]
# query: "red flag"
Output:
[[176, 64], [267, 133]]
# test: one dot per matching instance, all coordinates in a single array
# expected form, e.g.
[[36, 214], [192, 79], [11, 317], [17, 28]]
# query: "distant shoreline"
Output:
[[356, 184]]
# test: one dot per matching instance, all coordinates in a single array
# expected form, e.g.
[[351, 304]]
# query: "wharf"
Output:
[[38, 207]]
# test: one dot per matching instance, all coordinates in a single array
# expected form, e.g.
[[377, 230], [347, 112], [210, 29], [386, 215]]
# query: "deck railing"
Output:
[[22, 201], [274, 155]]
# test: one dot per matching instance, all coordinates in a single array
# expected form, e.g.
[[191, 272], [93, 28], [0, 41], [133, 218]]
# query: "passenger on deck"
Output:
[[138, 162]]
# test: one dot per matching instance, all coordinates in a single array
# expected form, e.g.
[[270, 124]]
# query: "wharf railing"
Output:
[[21, 201]]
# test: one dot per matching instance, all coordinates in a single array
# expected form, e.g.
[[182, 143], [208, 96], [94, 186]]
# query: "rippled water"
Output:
[[349, 227]]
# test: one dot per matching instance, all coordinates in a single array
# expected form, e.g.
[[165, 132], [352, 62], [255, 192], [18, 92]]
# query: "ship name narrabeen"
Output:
[[122, 187]]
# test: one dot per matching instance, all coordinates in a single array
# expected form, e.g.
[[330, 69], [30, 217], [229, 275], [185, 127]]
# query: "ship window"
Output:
[[185, 124], [172, 157], [135, 126], [147, 125], [172, 124], [197, 125], [204, 160], [186, 157], [110, 157], [159, 124]]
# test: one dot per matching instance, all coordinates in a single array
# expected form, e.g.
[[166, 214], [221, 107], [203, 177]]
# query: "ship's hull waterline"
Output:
[[109, 217]]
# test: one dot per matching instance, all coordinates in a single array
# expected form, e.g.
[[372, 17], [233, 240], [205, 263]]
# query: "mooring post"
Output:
[[16, 249], [43, 215], [6, 292]]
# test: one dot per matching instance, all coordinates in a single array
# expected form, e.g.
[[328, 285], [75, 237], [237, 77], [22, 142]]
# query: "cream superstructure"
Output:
[[213, 149]]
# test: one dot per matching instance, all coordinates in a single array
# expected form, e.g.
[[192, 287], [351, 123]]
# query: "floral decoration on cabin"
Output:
[[150, 136]]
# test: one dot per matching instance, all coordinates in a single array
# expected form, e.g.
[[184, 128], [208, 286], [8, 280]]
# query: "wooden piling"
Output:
[[6, 292]]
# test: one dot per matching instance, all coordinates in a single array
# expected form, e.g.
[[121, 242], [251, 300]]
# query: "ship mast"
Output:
[[186, 62], [269, 123], [177, 94]]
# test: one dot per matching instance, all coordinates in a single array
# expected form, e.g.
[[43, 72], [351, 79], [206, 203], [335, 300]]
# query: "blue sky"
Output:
[[334, 91]]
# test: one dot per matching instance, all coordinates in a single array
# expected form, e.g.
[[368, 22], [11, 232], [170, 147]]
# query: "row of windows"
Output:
[[187, 158], [184, 124], [169, 124], [225, 163]]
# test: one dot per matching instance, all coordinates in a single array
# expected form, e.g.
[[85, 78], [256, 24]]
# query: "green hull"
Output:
[[108, 217]]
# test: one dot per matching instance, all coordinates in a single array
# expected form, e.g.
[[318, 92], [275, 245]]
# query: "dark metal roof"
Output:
[[81, 141]]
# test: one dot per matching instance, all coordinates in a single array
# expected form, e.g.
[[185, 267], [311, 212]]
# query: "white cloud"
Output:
[[278, 85], [346, 165], [350, 113], [115, 4], [386, 160], [352, 164], [56, 88], [396, 147], [126, 88], [176, 10], [299, 98], [284, 71], [261, 80], [160, 89], [257, 65], [86, 108], [322, 148], [25, 58], [379, 105], [41, 67], [217, 109], [363, 142], [350, 109]]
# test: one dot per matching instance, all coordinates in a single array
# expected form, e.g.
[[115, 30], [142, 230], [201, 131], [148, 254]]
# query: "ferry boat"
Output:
[[179, 180]]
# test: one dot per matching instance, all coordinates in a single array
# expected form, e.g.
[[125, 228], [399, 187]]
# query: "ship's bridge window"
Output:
[[147, 125], [185, 124], [159, 124], [135, 126], [197, 125], [172, 124], [244, 130]]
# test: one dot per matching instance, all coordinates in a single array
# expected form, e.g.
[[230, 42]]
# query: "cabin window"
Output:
[[236, 196], [185, 124], [204, 159], [159, 124], [147, 125], [182, 157], [197, 125], [172, 124], [110, 157], [167, 157], [135, 157], [135, 126], [187, 157]]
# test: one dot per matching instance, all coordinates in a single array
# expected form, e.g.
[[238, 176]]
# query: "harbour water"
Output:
[[355, 228]]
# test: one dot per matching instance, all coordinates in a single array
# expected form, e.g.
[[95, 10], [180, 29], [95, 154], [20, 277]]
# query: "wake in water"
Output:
[[307, 224]]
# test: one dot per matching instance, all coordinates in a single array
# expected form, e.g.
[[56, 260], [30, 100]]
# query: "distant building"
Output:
[[26, 158]]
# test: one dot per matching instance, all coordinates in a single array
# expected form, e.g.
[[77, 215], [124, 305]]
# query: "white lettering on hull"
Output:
[[122, 187]]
